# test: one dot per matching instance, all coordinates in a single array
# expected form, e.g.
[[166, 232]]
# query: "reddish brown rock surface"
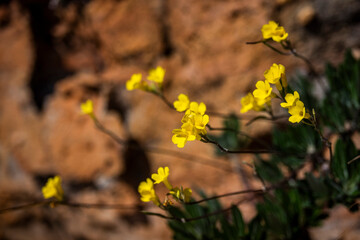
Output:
[[52, 59]]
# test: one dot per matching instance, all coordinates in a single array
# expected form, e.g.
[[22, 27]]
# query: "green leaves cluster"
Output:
[[340, 110], [225, 225]]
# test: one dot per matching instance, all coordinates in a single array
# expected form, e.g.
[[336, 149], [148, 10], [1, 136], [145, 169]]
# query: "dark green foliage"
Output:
[[342, 104], [294, 143], [220, 226], [346, 175], [268, 171]]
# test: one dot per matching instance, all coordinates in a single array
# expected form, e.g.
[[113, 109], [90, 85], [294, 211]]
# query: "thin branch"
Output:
[[101, 205], [256, 42], [354, 159], [242, 151], [24, 206], [257, 191], [108, 132], [166, 101], [266, 118], [324, 140], [275, 49], [292, 50], [239, 133]]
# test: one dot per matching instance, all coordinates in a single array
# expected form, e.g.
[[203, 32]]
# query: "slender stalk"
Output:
[[240, 133], [101, 205], [354, 159], [266, 118], [166, 101], [243, 151], [108, 132], [256, 42], [326, 141], [288, 45], [256, 191], [24, 206], [276, 50]]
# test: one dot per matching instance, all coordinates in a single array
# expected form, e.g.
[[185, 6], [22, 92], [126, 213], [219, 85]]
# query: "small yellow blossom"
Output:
[[87, 108], [162, 176], [249, 103], [263, 90], [200, 121], [274, 31], [276, 75], [156, 75], [290, 100], [181, 136], [53, 189], [197, 108], [298, 112], [147, 192], [182, 104], [136, 82]]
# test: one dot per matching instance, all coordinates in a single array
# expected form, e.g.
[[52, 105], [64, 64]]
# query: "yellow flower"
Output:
[[262, 91], [182, 104], [53, 189], [268, 29], [136, 82], [87, 108], [276, 75], [147, 192], [290, 100], [249, 103], [181, 136], [196, 108], [200, 121], [156, 75], [274, 31], [298, 112], [162, 176]]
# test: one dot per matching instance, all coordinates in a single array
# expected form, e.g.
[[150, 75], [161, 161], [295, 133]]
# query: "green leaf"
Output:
[[256, 229], [268, 171], [344, 152], [294, 142], [319, 189], [238, 221]]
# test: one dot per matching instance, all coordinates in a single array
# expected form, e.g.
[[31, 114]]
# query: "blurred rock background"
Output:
[[56, 54]]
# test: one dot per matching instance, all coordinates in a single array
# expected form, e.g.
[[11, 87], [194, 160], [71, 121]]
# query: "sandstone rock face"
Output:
[[54, 57]]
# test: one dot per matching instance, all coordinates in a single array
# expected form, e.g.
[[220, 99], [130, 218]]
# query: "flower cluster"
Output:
[[53, 189], [155, 77], [147, 191], [274, 31], [263, 94], [296, 107], [193, 122]]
